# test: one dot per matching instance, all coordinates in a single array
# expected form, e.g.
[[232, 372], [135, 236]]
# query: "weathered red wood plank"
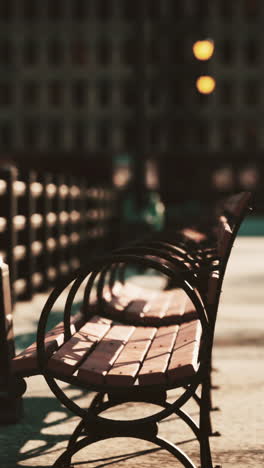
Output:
[[99, 319], [26, 361], [177, 306], [225, 242], [126, 366], [135, 310], [184, 357], [212, 287], [237, 203], [155, 364], [158, 306], [70, 355], [224, 235], [194, 235], [137, 292], [96, 366], [115, 304]]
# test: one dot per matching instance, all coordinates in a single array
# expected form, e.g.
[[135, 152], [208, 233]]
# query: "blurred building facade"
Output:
[[115, 78], [92, 74]]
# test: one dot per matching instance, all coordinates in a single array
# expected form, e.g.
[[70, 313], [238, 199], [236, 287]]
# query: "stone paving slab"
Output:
[[239, 355]]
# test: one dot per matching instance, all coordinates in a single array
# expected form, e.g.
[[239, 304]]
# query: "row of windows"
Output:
[[249, 51], [238, 94], [105, 9], [79, 94], [81, 53], [78, 53], [57, 135], [225, 134], [59, 9]]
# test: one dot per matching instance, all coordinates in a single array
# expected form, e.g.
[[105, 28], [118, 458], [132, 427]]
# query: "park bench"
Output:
[[195, 249], [140, 360], [125, 300]]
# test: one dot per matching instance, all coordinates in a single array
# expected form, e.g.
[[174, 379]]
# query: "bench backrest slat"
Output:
[[234, 209]]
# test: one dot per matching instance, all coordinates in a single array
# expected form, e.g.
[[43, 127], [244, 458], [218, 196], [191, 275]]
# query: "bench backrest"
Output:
[[235, 209]]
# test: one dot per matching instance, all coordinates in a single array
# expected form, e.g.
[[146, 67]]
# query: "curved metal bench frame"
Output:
[[144, 428], [93, 427]]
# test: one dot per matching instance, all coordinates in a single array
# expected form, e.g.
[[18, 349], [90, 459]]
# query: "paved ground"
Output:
[[239, 356]]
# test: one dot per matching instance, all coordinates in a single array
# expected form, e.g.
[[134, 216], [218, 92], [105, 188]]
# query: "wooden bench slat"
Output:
[[184, 357], [131, 291], [212, 287], [98, 363], [177, 307], [135, 291], [139, 307], [224, 236], [69, 356], [224, 243], [172, 305], [126, 366], [194, 235], [152, 308], [26, 361], [189, 310], [99, 319], [135, 310], [115, 304], [237, 203], [158, 307], [156, 361]]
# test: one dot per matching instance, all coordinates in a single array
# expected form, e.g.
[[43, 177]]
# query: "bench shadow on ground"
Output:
[[113, 460], [32, 431], [29, 429]]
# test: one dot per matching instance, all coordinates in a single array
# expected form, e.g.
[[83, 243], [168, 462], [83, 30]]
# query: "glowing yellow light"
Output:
[[205, 84], [203, 50]]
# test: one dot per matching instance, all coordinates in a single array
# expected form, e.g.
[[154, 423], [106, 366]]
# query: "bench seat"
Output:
[[104, 352], [26, 362], [138, 305]]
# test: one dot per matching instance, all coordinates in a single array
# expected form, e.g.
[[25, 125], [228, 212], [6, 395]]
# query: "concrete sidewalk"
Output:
[[239, 356]]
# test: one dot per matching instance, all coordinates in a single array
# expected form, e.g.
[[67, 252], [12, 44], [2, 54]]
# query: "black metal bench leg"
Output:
[[97, 401], [208, 396], [76, 433], [197, 399], [96, 404], [64, 461], [205, 426], [212, 387]]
